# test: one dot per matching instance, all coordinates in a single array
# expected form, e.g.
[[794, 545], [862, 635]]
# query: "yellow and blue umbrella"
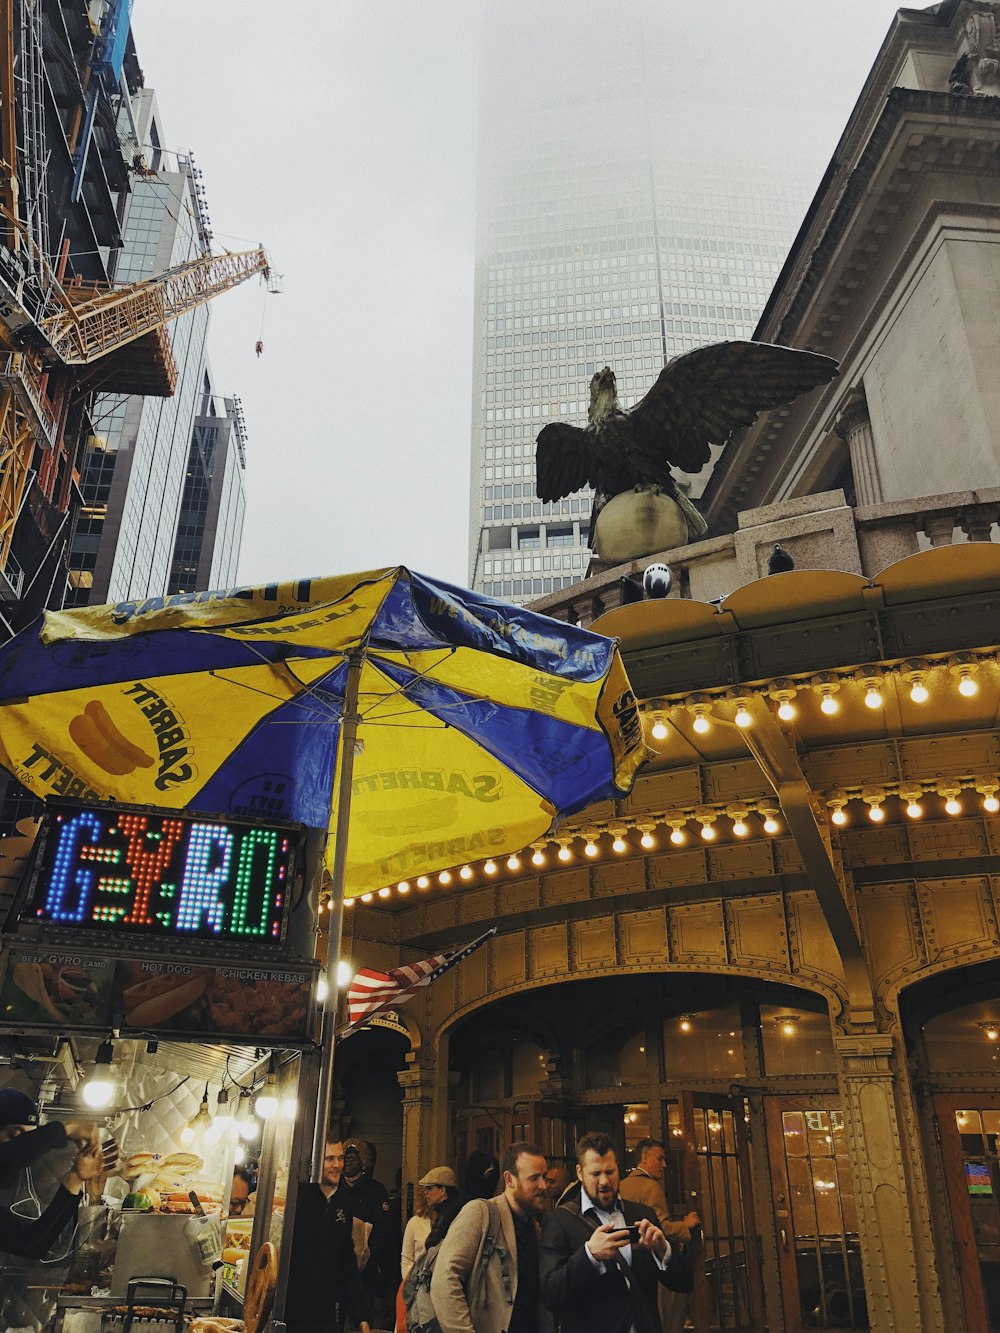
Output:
[[476, 723]]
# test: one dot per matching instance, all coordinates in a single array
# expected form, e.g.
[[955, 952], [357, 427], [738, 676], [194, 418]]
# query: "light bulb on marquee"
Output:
[[465, 872], [743, 717], [659, 731], [513, 862], [564, 853], [489, 867], [444, 877], [590, 848], [423, 882]]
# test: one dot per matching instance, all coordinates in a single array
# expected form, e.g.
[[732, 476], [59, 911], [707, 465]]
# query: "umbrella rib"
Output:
[[401, 689]]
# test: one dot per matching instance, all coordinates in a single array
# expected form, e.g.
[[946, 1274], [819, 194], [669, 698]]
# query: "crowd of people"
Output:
[[524, 1245]]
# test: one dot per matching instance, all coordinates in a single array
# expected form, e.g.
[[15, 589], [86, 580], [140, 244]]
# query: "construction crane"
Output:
[[89, 324]]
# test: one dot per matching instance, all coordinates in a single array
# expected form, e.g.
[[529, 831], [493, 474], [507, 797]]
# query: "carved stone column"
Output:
[[425, 1112], [889, 1190], [854, 426]]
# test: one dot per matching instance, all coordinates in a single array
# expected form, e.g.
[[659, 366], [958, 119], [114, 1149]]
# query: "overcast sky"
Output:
[[343, 136]]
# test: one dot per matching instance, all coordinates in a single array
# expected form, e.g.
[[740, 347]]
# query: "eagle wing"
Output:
[[563, 461], [700, 398]]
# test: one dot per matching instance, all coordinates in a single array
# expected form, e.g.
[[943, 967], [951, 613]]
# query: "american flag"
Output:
[[372, 992]]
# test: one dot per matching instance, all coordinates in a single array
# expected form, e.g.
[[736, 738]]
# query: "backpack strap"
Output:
[[493, 1244]]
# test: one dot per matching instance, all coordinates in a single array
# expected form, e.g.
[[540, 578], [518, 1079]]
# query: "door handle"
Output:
[[784, 1239]]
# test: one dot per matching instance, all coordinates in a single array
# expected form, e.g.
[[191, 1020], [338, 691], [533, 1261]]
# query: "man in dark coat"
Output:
[[595, 1278], [323, 1280]]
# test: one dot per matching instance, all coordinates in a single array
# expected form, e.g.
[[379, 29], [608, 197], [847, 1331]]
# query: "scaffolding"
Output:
[[33, 157]]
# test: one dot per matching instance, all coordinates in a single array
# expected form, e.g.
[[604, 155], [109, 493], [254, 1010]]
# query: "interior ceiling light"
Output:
[[991, 1030], [99, 1088], [788, 1024], [871, 679], [915, 671], [966, 668], [685, 1023]]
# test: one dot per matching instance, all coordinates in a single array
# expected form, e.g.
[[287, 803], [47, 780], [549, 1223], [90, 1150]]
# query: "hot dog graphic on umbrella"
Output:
[[94, 733]]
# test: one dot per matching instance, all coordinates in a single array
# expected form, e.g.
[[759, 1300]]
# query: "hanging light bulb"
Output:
[[289, 1108], [738, 814], [743, 717], [564, 852], [537, 856], [322, 991], [966, 667], [990, 803], [911, 792], [222, 1121], [871, 679], [836, 802], [646, 840], [771, 824], [590, 847], [706, 817], [915, 671], [619, 844], [99, 1089], [444, 877], [423, 882], [465, 872], [783, 693], [826, 685], [489, 867], [699, 707], [873, 798], [513, 862], [199, 1123], [267, 1104], [367, 897], [919, 692], [659, 731], [384, 891], [677, 834], [876, 814], [403, 886], [246, 1126]]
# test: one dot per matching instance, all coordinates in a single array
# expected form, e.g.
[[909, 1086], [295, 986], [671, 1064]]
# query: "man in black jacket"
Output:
[[595, 1277], [323, 1279], [20, 1145]]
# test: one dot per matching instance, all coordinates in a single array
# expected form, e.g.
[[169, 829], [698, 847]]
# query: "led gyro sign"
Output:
[[162, 875]]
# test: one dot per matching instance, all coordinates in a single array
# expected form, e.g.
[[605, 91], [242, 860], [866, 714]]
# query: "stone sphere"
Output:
[[638, 523]]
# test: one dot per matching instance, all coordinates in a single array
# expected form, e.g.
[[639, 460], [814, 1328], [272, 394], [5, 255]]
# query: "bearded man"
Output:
[[486, 1273]]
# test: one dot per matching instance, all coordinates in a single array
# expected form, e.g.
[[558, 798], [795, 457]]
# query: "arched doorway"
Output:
[[737, 1077], [952, 1026]]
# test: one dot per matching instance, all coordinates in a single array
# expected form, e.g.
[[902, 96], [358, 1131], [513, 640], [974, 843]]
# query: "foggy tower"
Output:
[[614, 226]]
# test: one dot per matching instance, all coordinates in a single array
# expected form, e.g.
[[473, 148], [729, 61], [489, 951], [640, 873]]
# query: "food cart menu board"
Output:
[[163, 875], [74, 991]]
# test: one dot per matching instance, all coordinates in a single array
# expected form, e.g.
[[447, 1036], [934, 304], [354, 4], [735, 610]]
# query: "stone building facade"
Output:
[[781, 954]]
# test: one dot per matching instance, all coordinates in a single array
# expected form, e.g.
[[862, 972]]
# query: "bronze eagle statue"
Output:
[[698, 399]]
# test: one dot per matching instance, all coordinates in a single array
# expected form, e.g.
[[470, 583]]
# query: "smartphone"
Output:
[[633, 1235]]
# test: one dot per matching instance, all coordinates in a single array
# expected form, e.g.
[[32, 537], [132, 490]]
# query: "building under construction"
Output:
[[84, 307]]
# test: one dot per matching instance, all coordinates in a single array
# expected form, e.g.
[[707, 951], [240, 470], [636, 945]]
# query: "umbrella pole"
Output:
[[348, 738]]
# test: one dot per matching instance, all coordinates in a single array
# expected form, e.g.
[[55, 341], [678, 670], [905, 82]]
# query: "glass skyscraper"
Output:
[[603, 238]]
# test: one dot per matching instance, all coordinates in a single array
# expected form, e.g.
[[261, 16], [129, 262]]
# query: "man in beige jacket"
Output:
[[486, 1273], [644, 1184]]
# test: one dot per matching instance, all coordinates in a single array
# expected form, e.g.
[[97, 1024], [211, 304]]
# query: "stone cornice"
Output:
[[966, 129]]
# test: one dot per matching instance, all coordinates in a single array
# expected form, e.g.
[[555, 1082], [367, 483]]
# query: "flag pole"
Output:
[[349, 722]]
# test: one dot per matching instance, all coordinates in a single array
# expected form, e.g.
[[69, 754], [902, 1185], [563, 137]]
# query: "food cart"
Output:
[[159, 977]]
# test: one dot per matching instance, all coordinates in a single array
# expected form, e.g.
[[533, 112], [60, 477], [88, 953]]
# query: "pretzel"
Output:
[[261, 1282]]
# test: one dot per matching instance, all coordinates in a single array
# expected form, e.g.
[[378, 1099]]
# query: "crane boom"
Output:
[[82, 332]]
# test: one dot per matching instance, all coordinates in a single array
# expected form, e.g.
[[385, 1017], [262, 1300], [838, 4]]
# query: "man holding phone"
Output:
[[602, 1258]]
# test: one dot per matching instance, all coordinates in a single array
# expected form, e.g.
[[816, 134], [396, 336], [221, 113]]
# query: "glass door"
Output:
[[716, 1173], [815, 1217], [969, 1125]]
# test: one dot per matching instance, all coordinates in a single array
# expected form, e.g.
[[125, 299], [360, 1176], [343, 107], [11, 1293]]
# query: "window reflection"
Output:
[[707, 1044]]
